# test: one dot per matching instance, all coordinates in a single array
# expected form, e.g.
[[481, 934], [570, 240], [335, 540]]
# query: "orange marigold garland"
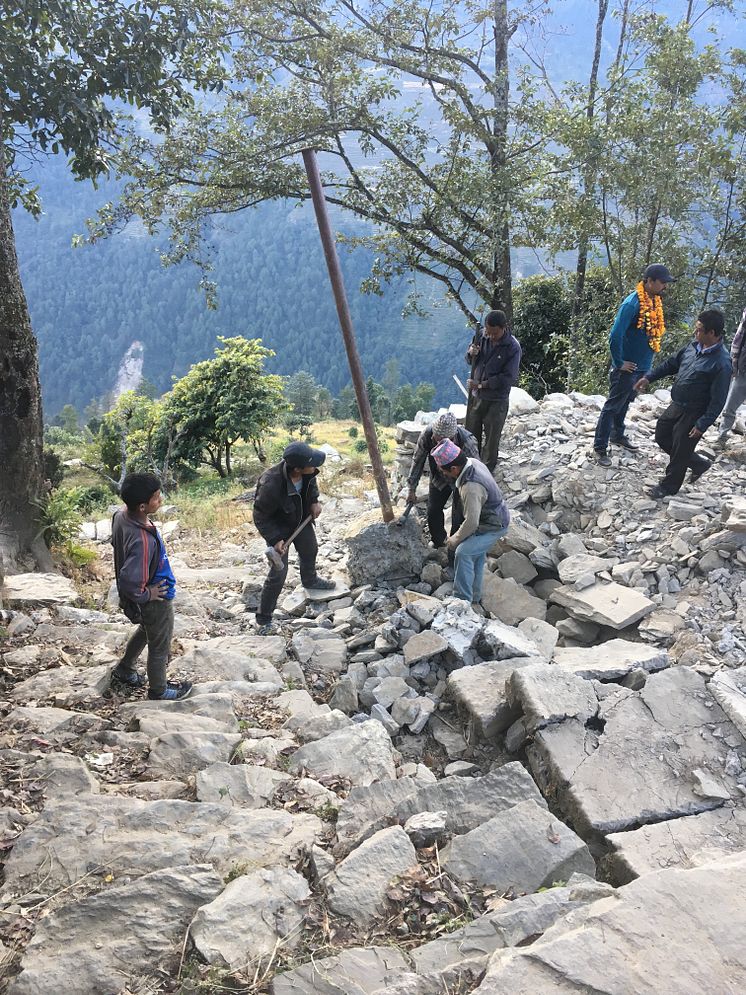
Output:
[[651, 317]]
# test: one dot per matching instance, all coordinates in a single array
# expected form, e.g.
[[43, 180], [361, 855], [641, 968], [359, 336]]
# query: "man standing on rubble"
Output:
[[495, 358], [441, 487]]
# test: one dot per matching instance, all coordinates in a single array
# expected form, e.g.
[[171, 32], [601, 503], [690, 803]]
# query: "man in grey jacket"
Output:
[[737, 392], [486, 518]]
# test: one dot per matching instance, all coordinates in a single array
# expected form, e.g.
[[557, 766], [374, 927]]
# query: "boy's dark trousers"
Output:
[[307, 549], [672, 435], [436, 502], [485, 420], [155, 632]]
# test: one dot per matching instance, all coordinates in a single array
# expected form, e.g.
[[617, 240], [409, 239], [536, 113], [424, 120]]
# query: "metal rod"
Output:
[[348, 334], [461, 387]]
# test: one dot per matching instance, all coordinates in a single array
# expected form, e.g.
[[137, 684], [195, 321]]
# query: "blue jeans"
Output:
[[470, 558], [611, 420]]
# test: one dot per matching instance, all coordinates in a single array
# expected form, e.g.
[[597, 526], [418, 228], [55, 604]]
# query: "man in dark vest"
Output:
[[486, 518]]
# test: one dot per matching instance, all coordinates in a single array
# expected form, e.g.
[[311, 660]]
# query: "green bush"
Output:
[[53, 469], [60, 519], [93, 496], [353, 432]]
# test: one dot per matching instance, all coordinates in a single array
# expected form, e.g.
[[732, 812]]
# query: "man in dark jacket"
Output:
[[495, 358], [702, 371], [441, 488], [285, 495]]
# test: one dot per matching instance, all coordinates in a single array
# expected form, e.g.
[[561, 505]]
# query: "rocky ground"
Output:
[[401, 795]]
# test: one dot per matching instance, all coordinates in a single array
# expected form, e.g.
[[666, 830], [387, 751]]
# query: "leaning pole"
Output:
[[348, 333]]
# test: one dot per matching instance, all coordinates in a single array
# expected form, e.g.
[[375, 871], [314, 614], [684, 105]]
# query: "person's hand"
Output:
[[315, 510], [280, 547], [412, 495], [628, 366], [471, 384], [695, 433], [642, 385], [158, 591], [452, 543], [472, 351]]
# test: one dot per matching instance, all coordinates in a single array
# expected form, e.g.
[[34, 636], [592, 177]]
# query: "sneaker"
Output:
[[722, 439], [601, 457], [694, 475], [131, 680], [657, 493], [175, 691], [625, 443], [319, 584], [267, 629]]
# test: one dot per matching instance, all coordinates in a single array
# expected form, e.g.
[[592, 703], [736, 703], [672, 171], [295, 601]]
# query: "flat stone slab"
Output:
[[423, 645], [510, 602], [733, 513], [646, 756], [97, 944], [134, 837], [178, 754], [728, 688], [522, 848], [574, 567], [686, 842], [680, 931], [611, 660], [235, 658], [604, 603], [546, 695], [363, 753], [481, 692], [239, 785], [357, 971], [504, 642], [39, 589]]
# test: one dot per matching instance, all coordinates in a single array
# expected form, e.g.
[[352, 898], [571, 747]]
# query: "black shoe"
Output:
[[175, 691], [694, 475], [625, 443], [601, 457], [319, 584], [657, 493], [131, 680], [267, 629]]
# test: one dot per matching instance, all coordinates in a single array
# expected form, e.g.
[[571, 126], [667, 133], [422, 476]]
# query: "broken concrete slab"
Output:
[[611, 660], [522, 848], [604, 603], [614, 945]]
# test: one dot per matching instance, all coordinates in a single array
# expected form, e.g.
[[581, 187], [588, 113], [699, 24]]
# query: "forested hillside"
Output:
[[89, 304]]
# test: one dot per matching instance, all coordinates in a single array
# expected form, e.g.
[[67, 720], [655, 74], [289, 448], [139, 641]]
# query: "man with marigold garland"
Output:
[[634, 339], [702, 371]]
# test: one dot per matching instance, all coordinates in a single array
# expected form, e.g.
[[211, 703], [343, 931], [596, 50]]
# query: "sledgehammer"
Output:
[[274, 558], [407, 511]]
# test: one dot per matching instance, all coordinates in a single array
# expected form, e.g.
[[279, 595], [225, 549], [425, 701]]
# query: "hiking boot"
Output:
[[319, 584], [267, 629], [175, 691], [657, 493], [130, 680], [694, 475], [601, 457], [625, 443]]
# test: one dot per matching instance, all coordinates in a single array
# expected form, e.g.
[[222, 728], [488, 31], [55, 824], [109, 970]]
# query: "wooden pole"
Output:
[[348, 333]]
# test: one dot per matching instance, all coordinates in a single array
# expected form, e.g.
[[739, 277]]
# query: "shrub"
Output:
[[352, 432], [60, 519]]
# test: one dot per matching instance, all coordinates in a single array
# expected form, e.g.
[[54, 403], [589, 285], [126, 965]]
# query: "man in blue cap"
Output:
[[633, 343], [285, 495]]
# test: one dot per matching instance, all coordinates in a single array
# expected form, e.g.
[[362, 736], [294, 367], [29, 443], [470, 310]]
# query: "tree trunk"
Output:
[[228, 468], [502, 293], [21, 475]]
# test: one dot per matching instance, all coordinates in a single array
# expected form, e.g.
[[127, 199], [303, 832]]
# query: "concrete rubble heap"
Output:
[[401, 794]]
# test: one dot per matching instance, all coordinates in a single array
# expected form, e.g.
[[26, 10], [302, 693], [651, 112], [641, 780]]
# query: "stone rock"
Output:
[[38, 589], [504, 642], [362, 753], [178, 754], [239, 785], [93, 945], [724, 542], [345, 696], [636, 765], [606, 604], [523, 848], [449, 738], [173, 716], [267, 908], [424, 645], [510, 602], [320, 650], [728, 688], [317, 726], [357, 887], [135, 837], [46, 719], [520, 402], [235, 658], [66, 685], [517, 566], [733, 513], [685, 842], [379, 713], [432, 574], [521, 536], [341, 590], [614, 945], [20, 625], [460, 626], [542, 634], [611, 660], [578, 630], [661, 625], [389, 689], [481, 692], [426, 828], [377, 551], [547, 695], [356, 971], [573, 567]]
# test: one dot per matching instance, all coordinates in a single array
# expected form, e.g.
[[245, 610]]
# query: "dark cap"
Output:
[[300, 454], [657, 271]]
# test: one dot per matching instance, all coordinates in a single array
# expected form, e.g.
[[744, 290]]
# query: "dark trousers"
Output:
[[672, 435], [611, 420], [155, 632], [307, 549], [485, 420], [436, 501]]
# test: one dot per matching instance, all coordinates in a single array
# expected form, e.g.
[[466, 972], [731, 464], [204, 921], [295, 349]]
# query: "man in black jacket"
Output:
[[285, 495], [702, 371], [495, 357]]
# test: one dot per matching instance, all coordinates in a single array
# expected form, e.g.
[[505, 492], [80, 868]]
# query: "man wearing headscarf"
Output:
[[441, 488]]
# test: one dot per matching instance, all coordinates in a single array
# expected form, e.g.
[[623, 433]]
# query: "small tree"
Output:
[[542, 308], [222, 400]]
